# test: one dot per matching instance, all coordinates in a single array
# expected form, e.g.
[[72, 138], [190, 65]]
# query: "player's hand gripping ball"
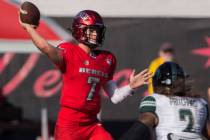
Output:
[[29, 14]]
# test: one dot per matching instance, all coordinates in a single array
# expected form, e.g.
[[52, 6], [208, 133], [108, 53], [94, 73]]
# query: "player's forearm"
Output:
[[38, 40], [45, 47], [138, 131], [207, 131], [117, 94]]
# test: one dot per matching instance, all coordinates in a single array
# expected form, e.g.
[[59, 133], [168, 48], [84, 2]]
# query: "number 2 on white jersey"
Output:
[[183, 114], [93, 81]]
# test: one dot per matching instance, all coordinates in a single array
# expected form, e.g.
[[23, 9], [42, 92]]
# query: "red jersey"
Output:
[[83, 76]]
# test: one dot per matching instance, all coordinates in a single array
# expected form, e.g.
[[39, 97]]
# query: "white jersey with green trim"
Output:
[[180, 118]]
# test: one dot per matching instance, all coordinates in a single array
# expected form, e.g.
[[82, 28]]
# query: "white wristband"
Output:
[[117, 94], [121, 93]]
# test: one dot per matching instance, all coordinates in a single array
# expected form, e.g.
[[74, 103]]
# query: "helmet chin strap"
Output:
[[91, 46]]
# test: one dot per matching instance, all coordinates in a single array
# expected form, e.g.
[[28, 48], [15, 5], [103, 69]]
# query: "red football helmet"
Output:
[[85, 23]]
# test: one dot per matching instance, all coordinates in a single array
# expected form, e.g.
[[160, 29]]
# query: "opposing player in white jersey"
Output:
[[173, 111]]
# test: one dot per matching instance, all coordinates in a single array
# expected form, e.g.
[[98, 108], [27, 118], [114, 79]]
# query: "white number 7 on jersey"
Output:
[[93, 81]]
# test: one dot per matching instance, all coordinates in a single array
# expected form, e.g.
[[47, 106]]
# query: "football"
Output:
[[29, 13]]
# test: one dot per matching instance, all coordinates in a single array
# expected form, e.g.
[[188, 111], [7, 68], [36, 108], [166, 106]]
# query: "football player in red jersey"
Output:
[[85, 70]]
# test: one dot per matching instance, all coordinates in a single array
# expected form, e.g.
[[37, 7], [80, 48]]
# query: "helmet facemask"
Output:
[[94, 36]]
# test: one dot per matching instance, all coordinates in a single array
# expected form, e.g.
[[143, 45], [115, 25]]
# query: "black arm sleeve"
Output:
[[138, 131]]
